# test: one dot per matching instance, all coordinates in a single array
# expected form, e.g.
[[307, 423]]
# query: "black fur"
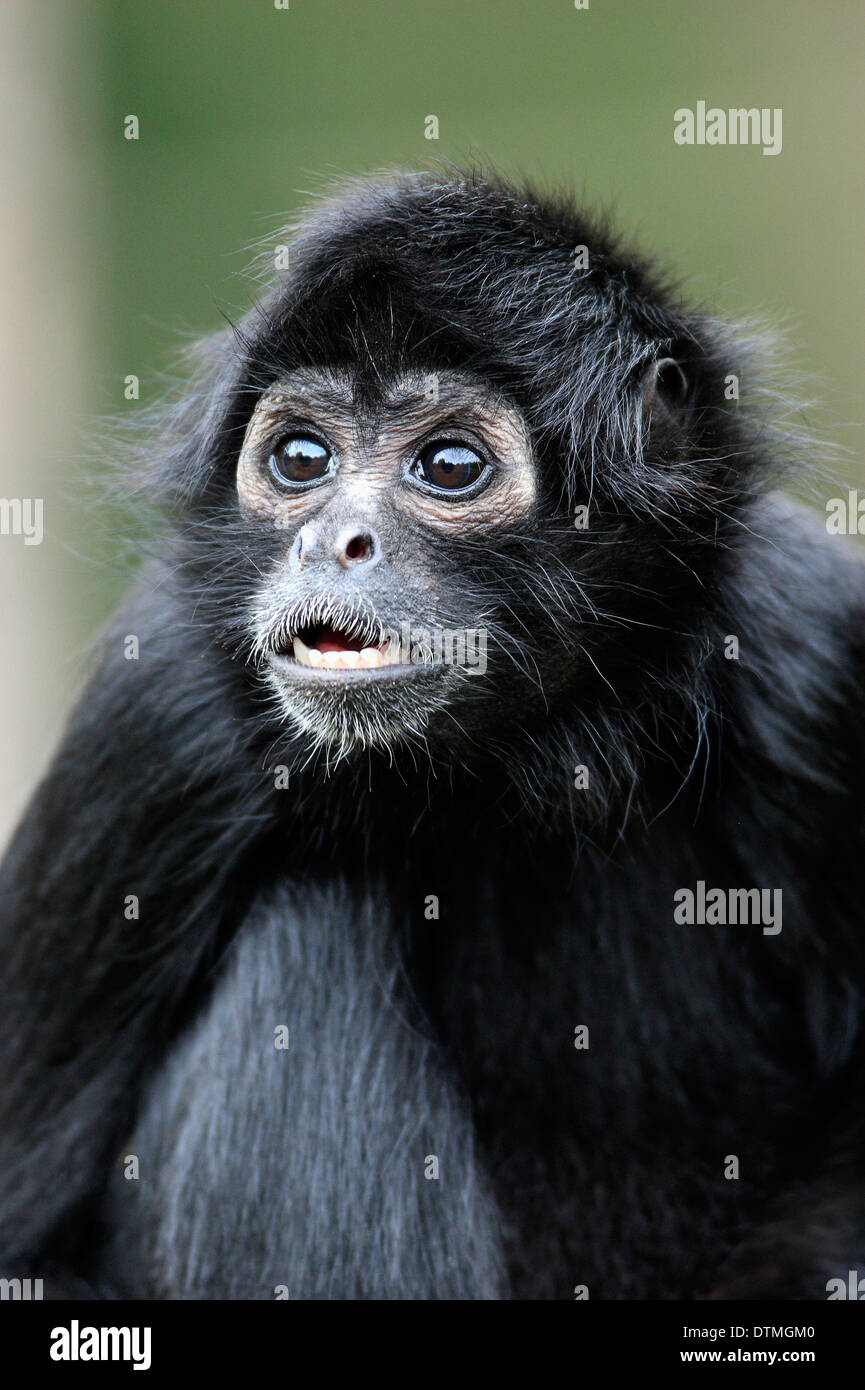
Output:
[[305, 906]]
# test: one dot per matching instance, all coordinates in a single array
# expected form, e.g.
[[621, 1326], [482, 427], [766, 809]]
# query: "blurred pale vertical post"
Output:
[[43, 352]]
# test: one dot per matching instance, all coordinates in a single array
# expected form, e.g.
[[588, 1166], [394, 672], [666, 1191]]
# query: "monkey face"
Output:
[[367, 625], [479, 494]]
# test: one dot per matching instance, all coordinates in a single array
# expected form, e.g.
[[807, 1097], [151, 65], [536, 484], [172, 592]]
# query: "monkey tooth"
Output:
[[346, 660]]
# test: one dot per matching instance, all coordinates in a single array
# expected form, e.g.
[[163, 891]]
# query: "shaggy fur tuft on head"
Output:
[[462, 270]]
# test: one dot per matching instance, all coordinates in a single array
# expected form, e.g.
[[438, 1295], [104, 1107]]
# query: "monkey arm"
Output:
[[111, 900]]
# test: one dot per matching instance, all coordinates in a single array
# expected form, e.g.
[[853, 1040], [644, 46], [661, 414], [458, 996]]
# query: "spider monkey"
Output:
[[453, 891]]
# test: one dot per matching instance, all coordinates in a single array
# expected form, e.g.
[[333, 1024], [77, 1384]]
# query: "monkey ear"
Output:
[[663, 386]]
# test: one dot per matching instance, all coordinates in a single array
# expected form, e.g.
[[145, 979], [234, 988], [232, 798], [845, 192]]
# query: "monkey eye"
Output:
[[300, 459], [449, 466]]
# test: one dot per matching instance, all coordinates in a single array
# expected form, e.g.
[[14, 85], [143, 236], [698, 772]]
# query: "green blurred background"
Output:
[[115, 251]]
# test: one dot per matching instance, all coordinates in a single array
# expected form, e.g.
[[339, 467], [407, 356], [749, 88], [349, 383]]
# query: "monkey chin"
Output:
[[340, 713]]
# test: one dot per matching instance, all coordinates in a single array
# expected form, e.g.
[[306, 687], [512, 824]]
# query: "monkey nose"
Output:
[[357, 545], [303, 547]]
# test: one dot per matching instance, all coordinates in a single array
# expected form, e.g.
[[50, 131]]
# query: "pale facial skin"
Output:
[[371, 455], [364, 496]]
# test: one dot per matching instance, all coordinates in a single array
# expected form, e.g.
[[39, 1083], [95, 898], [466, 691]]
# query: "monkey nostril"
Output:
[[357, 547]]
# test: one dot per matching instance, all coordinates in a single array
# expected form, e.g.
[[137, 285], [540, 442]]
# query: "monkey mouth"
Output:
[[327, 648], [321, 653]]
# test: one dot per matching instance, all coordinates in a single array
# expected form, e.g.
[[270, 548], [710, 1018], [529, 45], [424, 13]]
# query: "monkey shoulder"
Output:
[[794, 601]]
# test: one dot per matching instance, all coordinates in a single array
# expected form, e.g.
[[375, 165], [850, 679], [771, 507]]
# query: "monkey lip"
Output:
[[325, 653]]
